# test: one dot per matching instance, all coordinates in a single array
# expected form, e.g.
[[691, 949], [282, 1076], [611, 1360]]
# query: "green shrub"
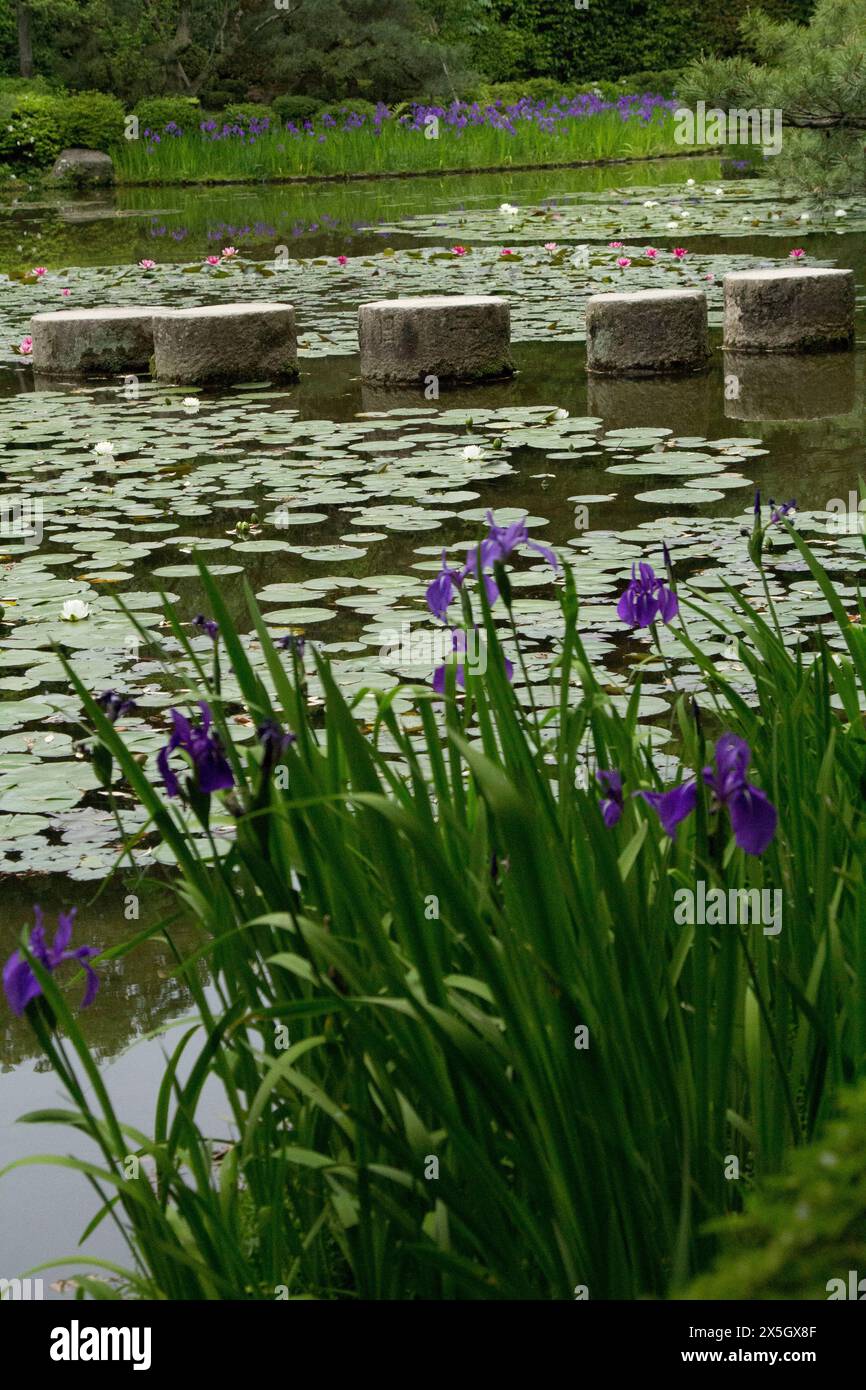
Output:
[[218, 97], [242, 112], [546, 89], [803, 1229], [27, 86], [30, 132], [661, 82], [154, 113], [296, 108], [35, 126], [92, 120], [502, 52], [356, 106]]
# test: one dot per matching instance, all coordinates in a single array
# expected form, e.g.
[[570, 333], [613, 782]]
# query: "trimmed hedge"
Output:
[[35, 126], [296, 108], [29, 130], [661, 82], [607, 38], [243, 112], [154, 113]]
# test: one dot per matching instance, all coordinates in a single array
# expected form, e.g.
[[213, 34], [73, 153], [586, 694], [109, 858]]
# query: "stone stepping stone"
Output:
[[224, 343], [789, 310], [436, 339], [73, 342], [647, 332]]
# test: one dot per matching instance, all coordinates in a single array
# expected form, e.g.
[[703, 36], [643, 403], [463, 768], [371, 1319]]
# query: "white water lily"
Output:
[[191, 404], [840, 212], [472, 451], [104, 449], [74, 611], [650, 203], [690, 183], [805, 217], [720, 193], [560, 414], [672, 226], [508, 209]]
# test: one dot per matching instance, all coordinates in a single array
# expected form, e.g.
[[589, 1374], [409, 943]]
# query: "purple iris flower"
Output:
[[458, 643], [673, 806], [782, 510], [114, 706], [501, 541], [19, 981], [275, 741], [646, 599], [753, 815], [442, 590], [611, 803], [292, 642], [206, 625], [204, 751]]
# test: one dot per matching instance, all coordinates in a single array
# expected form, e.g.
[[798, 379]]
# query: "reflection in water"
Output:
[[655, 402], [324, 219], [780, 387], [137, 992]]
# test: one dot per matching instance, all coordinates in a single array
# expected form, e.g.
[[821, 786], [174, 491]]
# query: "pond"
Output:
[[333, 500]]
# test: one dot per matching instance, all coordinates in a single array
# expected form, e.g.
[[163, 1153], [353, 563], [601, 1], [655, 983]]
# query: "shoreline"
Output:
[[289, 179]]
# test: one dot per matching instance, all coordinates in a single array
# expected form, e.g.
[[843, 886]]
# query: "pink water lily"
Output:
[[680, 252], [147, 265], [458, 250], [211, 260], [623, 262], [551, 246], [614, 245], [342, 260], [25, 347], [66, 293], [506, 251], [39, 271], [651, 252], [798, 254], [229, 251]]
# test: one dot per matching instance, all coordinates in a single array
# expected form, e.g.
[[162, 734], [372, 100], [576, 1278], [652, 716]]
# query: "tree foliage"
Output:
[[331, 49], [816, 76], [609, 38]]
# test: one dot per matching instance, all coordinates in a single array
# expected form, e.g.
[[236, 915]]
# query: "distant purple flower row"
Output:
[[550, 117]]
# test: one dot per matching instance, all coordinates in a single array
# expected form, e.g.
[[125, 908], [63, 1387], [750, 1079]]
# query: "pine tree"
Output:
[[815, 75]]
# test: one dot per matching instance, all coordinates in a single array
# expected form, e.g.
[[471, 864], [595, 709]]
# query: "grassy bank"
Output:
[[421, 140]]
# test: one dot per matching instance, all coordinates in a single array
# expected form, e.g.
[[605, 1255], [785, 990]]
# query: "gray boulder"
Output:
[[80, 167]]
